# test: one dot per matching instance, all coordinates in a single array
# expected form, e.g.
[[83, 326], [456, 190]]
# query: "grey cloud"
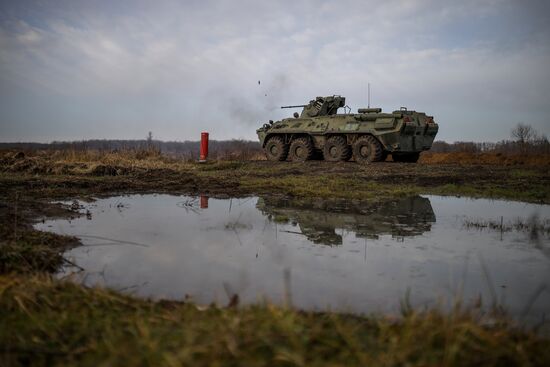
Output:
[[78, 70]]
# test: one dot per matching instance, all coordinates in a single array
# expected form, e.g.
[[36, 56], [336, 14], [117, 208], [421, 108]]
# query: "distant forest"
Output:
[[525, 140]]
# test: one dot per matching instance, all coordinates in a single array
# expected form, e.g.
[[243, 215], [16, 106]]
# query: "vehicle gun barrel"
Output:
[[297, 106]]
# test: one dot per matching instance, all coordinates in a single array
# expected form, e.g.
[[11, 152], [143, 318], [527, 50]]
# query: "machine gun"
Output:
[[297, 106]]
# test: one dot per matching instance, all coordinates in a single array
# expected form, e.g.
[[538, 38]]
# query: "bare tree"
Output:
[[523, 133], [149, 139]]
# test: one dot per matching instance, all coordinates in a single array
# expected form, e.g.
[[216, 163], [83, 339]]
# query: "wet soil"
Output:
[[227, 178], [35, 187], [29, 182]]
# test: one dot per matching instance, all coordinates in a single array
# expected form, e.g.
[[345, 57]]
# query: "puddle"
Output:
[[316, 255]]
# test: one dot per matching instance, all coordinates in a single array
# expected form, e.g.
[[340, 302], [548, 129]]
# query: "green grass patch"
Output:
[[534, 193], [281, 218], [328, 187], [524, 173]]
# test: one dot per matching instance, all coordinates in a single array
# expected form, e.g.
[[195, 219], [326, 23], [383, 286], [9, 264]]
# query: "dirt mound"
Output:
[[108, 170], [18, 162], [38, 166], [486, 158]]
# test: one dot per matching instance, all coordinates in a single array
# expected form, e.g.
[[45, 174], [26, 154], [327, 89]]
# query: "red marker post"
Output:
[[204, 202], [204, 147]]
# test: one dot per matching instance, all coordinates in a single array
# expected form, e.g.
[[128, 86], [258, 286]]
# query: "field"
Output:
[[67, 173], [52, 322]]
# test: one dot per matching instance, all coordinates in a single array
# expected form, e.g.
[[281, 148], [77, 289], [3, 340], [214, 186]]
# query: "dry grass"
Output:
[[489, 158], [533, 225], [47, 322], [83, 162], [111, 163]]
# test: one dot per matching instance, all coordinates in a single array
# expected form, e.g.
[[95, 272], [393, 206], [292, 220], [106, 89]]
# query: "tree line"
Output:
[[523, 140]]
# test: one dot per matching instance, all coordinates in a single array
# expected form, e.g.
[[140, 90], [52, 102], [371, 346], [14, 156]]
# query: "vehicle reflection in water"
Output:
[[320, 221], [169, 246]]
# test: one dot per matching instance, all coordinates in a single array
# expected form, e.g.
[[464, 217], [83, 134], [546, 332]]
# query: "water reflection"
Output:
[[168, 246], [320, 222]]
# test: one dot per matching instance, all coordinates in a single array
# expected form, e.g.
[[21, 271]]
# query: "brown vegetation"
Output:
[[186, 150], [72, 173], [48, 322], [486, 158]]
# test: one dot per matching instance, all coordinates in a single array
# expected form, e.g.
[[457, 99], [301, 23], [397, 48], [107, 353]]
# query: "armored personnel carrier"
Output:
[[368, 135]]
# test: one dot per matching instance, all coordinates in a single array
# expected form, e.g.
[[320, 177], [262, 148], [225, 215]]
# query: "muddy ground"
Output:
[[29, 182], [47, 176], [51, 322]]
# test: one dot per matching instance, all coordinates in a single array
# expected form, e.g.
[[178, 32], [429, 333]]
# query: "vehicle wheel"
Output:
[[367, 149], [301, 150], [276, 149], [406, 157], [336, 149]]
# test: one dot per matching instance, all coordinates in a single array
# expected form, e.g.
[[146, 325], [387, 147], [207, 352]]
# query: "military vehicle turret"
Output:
[[368, 135]]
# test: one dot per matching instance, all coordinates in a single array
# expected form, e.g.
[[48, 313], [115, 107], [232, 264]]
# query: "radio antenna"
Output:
[[368, 93]]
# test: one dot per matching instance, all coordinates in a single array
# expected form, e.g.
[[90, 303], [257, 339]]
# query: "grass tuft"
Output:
[[51, 322]]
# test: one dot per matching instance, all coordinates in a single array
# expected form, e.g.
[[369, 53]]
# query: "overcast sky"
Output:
[[118, 69]]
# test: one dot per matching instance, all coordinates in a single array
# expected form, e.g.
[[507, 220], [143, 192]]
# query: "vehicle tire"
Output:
[[367, 149], [406, 157], [336, 149], [301, 150], [276, 149]]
